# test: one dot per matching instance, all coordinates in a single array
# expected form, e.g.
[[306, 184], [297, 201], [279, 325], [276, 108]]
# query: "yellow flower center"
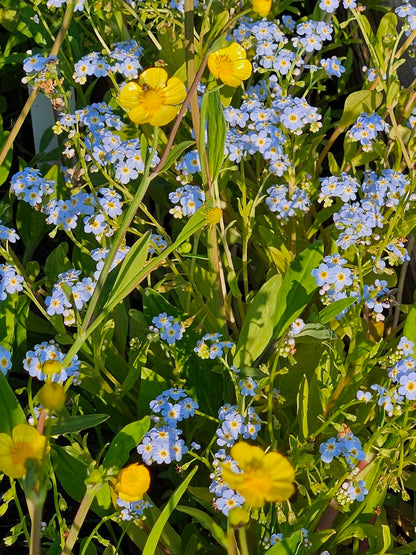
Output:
[[225, 65], [20, 452], [153, 100]]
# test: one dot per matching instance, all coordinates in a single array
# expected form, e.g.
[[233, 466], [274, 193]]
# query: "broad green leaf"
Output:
[[159, 525], [11, 413], [287, 546], [72, 424], [357, 103], [126, 440], [7, 321], [31, 227], [297, 289], [335, 308], [207, 522], [257, 330]]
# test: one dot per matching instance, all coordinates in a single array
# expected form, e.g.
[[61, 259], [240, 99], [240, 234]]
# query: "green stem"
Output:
[[82, 512], [35, 511], [95, 530], [26, 108], [242, 536]]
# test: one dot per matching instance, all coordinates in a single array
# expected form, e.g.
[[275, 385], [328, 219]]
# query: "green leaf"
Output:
[[207, 522], [357, 103], [287, 546], [257, 330], [335, 308], [157, 529], [302, 403], [127, 276], [174, 153], [11, 413], [31, 226], [72, 424], [5, 167], [216, 133], [297, 289], [128, 438], [409, 329]]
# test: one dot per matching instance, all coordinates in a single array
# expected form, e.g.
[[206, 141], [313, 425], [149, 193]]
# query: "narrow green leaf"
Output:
[[303, 404], [207, 522], [11, 413], [174, 153], [157, 529], [126, 279], [72, 424], [216, 130], [335, 308], [128, 438]]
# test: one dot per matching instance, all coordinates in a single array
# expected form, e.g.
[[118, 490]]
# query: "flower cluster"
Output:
[[69, 293], [366, 128], [346, 445], [157, 244], [132, 483], [402, 374], [187, 200], [352, 490], [235, 426], [10, 281], [167, 328], [45, 363], [215, 349], [124, 59], [162, 443]]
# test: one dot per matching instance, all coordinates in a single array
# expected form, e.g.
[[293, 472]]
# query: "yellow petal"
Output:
[[129, 95], [164, 116], [154, 78], [242, 69], [280, 492], [246, 454], [235, 52], [138, 114], [175, 91], [262, 7], [230, 80]]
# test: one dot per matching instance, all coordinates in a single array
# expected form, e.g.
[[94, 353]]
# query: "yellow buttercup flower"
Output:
[[230, 65], [25, 443], [262, 7], [264, 477], [132, 482], [154, 99]]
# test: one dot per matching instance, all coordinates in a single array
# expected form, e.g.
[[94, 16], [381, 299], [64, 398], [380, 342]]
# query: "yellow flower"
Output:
[[24, 444], [264, 477], [132, 482], [230, 65], [154, 98], [262, 7]]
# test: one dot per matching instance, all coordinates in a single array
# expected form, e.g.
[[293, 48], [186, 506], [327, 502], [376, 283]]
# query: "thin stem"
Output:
[[26, 108], [82, 512], [35, 511]]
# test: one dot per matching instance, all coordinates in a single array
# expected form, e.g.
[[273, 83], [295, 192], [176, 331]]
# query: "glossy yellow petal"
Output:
[[154, 78], [175, 91], [133, 481], [246, 454], [139, 115], [242, 69], [280, 492], [164, 116], [26, 443], [129, 95], [235, 52], [262, 7]]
